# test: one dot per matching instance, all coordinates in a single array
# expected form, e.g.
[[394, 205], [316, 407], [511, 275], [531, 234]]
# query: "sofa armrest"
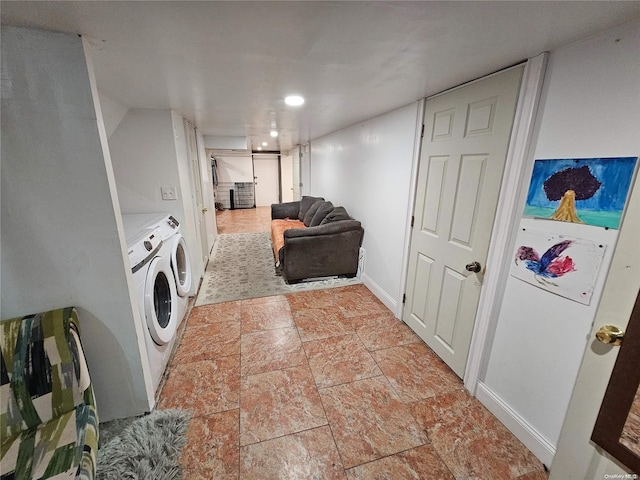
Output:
[[322, 251], [326, 229], [284, 210]]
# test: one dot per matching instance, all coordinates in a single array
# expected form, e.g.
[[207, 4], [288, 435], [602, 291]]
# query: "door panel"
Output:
[[577, 456], [433, 195], [467, 197], [460, 169], [617, 428], [267, 180]]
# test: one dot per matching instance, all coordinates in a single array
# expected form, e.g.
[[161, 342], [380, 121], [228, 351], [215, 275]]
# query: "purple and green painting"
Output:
[[592, 191]]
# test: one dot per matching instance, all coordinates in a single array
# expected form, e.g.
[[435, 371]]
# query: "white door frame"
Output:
[[517, 168]]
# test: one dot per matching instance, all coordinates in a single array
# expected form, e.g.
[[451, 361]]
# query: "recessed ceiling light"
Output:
[[259, 148], [274, 133], [264, 144], [294, 100]]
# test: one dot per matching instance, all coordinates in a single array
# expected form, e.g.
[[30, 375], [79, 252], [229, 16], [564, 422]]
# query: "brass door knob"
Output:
[[473, 267], [610, 334], [205, 210]]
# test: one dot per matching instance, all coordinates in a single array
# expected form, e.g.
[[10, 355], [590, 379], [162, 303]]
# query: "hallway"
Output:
[[327, 384]]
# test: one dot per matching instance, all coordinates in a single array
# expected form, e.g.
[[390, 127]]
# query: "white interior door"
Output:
[[296, 173], [266, 177], [305, 170], [466, 136], [192, 151], [286, 177], [577, 456]]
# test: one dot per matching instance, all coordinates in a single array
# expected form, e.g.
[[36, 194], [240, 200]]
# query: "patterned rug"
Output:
[[241, 267]]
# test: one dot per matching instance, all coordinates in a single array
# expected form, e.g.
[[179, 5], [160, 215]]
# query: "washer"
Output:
[[176, 249], [156, 293]]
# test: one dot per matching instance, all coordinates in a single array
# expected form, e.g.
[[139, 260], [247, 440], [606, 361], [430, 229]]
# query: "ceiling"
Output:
[[226, 66]]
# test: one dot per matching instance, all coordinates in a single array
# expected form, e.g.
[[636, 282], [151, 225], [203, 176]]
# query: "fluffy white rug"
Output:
[[148, 448]]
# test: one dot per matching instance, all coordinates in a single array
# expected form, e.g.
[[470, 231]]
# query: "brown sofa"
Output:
[[311, 238]]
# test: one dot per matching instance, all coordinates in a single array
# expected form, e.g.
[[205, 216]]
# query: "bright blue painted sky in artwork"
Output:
[[615, 174]]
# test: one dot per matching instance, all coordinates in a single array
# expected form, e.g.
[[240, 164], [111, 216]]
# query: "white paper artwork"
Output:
[[566, 266]]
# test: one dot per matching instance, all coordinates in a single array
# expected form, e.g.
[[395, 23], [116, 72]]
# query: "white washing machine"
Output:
[[176, 249], [156, 292]]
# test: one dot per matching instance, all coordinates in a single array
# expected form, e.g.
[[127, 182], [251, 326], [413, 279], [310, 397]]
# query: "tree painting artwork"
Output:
[[559, 264], [591, 191]]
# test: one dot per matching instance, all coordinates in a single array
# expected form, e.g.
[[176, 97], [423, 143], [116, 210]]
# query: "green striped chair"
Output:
[[48, 417]]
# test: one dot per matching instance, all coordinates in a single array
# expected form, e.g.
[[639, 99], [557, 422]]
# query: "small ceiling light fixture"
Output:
[[259, 148], [294, 100], [274, 133], [264, 144]]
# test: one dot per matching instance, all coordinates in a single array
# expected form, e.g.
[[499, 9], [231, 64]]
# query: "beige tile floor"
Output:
[[328, 384]]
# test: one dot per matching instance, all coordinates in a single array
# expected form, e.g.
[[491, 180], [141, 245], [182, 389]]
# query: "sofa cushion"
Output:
[[322, 212], [337, 214], [278, 228], [311, 212], [305, 204]]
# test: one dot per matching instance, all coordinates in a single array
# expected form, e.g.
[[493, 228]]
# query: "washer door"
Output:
[[160, 301], [181, 266]]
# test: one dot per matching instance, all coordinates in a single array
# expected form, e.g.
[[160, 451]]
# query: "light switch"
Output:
[[169, 193]]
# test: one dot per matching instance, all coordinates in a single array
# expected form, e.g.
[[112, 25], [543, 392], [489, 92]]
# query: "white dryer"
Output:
[[156, 293], [171, 234]]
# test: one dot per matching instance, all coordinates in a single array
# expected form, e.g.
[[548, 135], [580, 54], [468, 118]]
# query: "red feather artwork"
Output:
[[567, 266]]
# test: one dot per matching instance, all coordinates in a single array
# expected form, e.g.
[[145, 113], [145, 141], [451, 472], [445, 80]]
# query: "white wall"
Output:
[[235, 169], [589, 108], [112, 112], [367, 169], [62, 243], [148, 151]]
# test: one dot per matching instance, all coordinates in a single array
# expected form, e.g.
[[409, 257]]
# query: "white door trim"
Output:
[[517, 169], [417, 145]]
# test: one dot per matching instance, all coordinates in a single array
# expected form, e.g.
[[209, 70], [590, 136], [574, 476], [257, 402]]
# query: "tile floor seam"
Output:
[[355, 381], [335, 443], [285, 435], [399, 453], [385, 376], [204, 359], [324, 409]]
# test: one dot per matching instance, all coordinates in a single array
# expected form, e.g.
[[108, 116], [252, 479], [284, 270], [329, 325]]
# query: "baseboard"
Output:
[[542, 448], [377, 290]]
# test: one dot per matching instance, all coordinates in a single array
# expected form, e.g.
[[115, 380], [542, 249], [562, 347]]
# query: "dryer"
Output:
[[171, 233], [155, 292]]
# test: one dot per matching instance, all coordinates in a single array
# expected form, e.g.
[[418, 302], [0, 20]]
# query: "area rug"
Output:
[[143, 448], [241, 267]]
